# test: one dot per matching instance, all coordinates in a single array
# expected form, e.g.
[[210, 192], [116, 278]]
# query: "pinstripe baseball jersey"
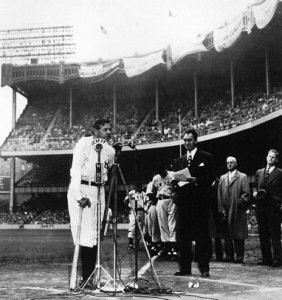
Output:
[[166, 209], [85, 158], [136, 196], [162, 186]]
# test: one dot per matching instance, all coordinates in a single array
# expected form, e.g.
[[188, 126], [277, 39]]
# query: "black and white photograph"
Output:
[[140, 149]]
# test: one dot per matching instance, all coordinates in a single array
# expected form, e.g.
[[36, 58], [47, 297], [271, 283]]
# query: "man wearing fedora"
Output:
[[267, 190]]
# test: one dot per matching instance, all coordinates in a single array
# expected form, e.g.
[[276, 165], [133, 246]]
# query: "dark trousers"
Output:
[[269, 225], [88, 261], [234, 247], [186, 255]]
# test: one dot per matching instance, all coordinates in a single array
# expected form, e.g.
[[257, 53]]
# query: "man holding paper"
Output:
[[194, 172]]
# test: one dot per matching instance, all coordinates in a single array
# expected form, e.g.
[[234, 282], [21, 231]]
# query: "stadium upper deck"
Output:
[[215, 88]]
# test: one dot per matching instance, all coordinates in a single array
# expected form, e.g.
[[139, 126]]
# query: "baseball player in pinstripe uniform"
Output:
[[137, 196], [83, 189], [166, 212], [152, 227]]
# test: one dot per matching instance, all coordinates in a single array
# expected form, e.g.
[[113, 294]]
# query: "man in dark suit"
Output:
[[267, 190], [193, 206]]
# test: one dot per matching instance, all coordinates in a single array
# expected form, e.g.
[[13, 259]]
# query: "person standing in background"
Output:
[[166, 212], [233, 201], [267, 190], [137, 199], [152, 228]]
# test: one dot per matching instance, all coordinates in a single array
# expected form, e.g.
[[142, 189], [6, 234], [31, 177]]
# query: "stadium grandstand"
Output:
[[226, 85]]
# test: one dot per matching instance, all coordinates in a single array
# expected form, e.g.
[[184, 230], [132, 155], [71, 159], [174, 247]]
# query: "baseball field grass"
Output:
[[36, 264]]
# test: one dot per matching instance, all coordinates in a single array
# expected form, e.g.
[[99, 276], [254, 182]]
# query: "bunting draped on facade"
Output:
[[97, 72], [137, 65], [264, 12], [260, 13], [226, 36], [178, 52]]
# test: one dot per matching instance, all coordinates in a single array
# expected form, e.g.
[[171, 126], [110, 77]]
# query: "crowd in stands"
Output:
[[219, 115], [64, 135], [62, 217], [31, 126], [45, 217], [215, 115], [166, 128], [34, 217], [47, 127]]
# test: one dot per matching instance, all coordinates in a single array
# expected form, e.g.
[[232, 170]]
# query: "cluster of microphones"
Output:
[[118, 146]]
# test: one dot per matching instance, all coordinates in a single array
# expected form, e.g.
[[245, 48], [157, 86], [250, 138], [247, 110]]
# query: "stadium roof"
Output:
[[246, 36]]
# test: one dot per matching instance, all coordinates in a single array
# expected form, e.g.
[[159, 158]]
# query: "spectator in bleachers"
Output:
[[39, 129]]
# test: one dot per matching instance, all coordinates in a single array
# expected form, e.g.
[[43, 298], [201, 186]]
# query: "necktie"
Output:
[[267, 173], [189, 160]]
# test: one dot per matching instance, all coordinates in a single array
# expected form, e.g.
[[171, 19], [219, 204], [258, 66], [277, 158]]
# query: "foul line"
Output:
[[31, 288], [238, 283]]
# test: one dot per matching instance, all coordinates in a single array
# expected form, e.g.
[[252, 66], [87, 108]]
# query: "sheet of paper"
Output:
[[181, 175], [182, 183]]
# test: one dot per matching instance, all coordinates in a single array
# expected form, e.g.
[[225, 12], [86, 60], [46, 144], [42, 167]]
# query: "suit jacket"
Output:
[[233, 199], [193, 203], [273, 186]]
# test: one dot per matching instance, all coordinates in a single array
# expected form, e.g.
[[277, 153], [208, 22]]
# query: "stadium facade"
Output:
[[226, 84]]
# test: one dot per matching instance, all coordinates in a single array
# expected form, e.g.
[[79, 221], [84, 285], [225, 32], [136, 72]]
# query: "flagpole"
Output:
[[179, 124]]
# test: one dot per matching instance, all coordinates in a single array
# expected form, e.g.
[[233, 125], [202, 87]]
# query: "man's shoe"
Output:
[[153, 251], [174, 256], [238, 261], [264, 263], [276, 264], [219, 259], [168, 256], [181, 273], [228, 260], [205, 274]]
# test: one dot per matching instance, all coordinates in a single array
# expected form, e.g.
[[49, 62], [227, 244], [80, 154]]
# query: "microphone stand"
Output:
[[138, 229], [98, 267], [113, 184]]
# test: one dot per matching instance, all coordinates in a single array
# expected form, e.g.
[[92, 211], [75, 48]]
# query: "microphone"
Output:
[[99, 147], [131, 145], [98, 175], [117, 146]]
